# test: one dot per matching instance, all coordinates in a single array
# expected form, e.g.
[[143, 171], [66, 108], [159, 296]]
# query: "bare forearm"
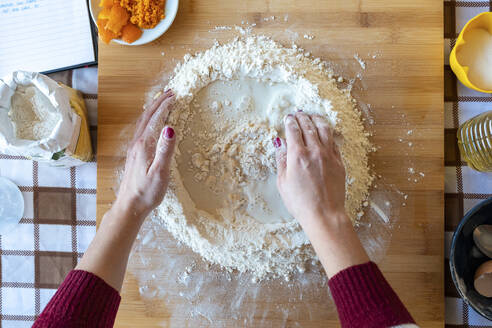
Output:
[[90, 293], [142, 188], [335, 242], [107, 255]]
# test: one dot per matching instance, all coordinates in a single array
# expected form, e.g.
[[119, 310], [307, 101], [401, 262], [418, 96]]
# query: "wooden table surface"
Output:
[[403, 84]]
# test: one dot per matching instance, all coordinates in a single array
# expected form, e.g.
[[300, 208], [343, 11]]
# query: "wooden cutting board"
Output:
[[403, 84]]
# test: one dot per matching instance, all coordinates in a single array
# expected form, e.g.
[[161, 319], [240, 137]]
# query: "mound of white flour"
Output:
[[32, 114], [231, 100]]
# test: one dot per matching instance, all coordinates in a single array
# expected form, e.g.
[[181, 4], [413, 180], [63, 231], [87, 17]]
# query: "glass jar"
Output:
[[475, 142]]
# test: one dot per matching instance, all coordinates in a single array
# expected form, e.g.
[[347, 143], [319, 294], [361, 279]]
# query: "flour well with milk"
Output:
[[231, 102]]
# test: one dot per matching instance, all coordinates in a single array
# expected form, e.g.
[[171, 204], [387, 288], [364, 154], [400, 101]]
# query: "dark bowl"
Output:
[[465, 257]]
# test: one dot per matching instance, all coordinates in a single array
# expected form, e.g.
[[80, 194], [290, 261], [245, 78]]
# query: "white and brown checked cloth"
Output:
[[60, 216], [464, 187], [58, 224]]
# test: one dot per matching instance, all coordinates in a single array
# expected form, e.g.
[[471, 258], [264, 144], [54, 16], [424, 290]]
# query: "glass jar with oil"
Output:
[[475, 142]]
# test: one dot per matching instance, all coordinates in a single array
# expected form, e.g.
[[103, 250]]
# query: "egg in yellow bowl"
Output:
[[471, 57]]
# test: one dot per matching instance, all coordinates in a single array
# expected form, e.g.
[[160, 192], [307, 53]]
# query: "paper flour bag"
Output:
[[43, 120]]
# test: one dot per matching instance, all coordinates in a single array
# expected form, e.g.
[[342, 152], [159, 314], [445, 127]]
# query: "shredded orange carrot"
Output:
[[145, 13]]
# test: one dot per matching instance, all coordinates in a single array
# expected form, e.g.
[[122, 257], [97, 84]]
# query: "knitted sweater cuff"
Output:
[[83, 299], [365, 299]]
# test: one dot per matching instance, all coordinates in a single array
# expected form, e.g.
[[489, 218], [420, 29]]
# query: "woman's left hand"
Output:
[[148, 161]]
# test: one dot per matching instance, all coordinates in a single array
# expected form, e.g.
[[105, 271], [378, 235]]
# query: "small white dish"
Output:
[[11, 206], [148, 35]]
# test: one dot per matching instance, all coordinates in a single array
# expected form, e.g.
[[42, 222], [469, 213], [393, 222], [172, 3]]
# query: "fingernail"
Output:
[[170, 92], [277, 142], [168, 132], [300, 110]]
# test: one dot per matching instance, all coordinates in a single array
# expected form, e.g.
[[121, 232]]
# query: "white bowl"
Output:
[[148, 35]]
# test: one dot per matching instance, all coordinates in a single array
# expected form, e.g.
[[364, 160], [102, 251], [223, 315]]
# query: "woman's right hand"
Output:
[[311, 175], [311, 182]]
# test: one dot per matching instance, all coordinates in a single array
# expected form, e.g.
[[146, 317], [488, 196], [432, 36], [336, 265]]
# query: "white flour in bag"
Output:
[[32, 114], [231, 101]]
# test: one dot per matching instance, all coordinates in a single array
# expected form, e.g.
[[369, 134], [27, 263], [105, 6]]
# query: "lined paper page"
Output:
[[43, 35]]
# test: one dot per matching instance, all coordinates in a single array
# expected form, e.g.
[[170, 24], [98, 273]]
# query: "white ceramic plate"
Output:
[[148, 35]]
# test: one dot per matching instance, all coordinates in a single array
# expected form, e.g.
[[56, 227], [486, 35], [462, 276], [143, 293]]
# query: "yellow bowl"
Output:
[[483, 20]]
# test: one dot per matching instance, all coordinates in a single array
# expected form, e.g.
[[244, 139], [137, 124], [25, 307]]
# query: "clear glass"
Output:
[[475, 142]]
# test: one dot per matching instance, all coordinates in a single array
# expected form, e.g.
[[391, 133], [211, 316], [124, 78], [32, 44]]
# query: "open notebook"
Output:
[[45, 35]]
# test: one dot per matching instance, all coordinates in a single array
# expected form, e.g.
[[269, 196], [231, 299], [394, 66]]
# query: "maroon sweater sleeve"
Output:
[[82, 300], [365, 299]]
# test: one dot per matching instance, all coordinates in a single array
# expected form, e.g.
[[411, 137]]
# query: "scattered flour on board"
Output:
[[222, 28], [32, 114], [360, 61], [230, 103]]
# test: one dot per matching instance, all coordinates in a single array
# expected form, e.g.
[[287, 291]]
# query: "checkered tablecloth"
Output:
[[60, 216], [58, 224], [464, 187]]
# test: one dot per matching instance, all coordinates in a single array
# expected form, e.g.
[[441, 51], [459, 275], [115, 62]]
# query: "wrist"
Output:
[[328, 223], [336, 243], [126, 211]]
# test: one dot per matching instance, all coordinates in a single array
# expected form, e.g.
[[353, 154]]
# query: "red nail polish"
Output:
[[277, 142], [168, 132]]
